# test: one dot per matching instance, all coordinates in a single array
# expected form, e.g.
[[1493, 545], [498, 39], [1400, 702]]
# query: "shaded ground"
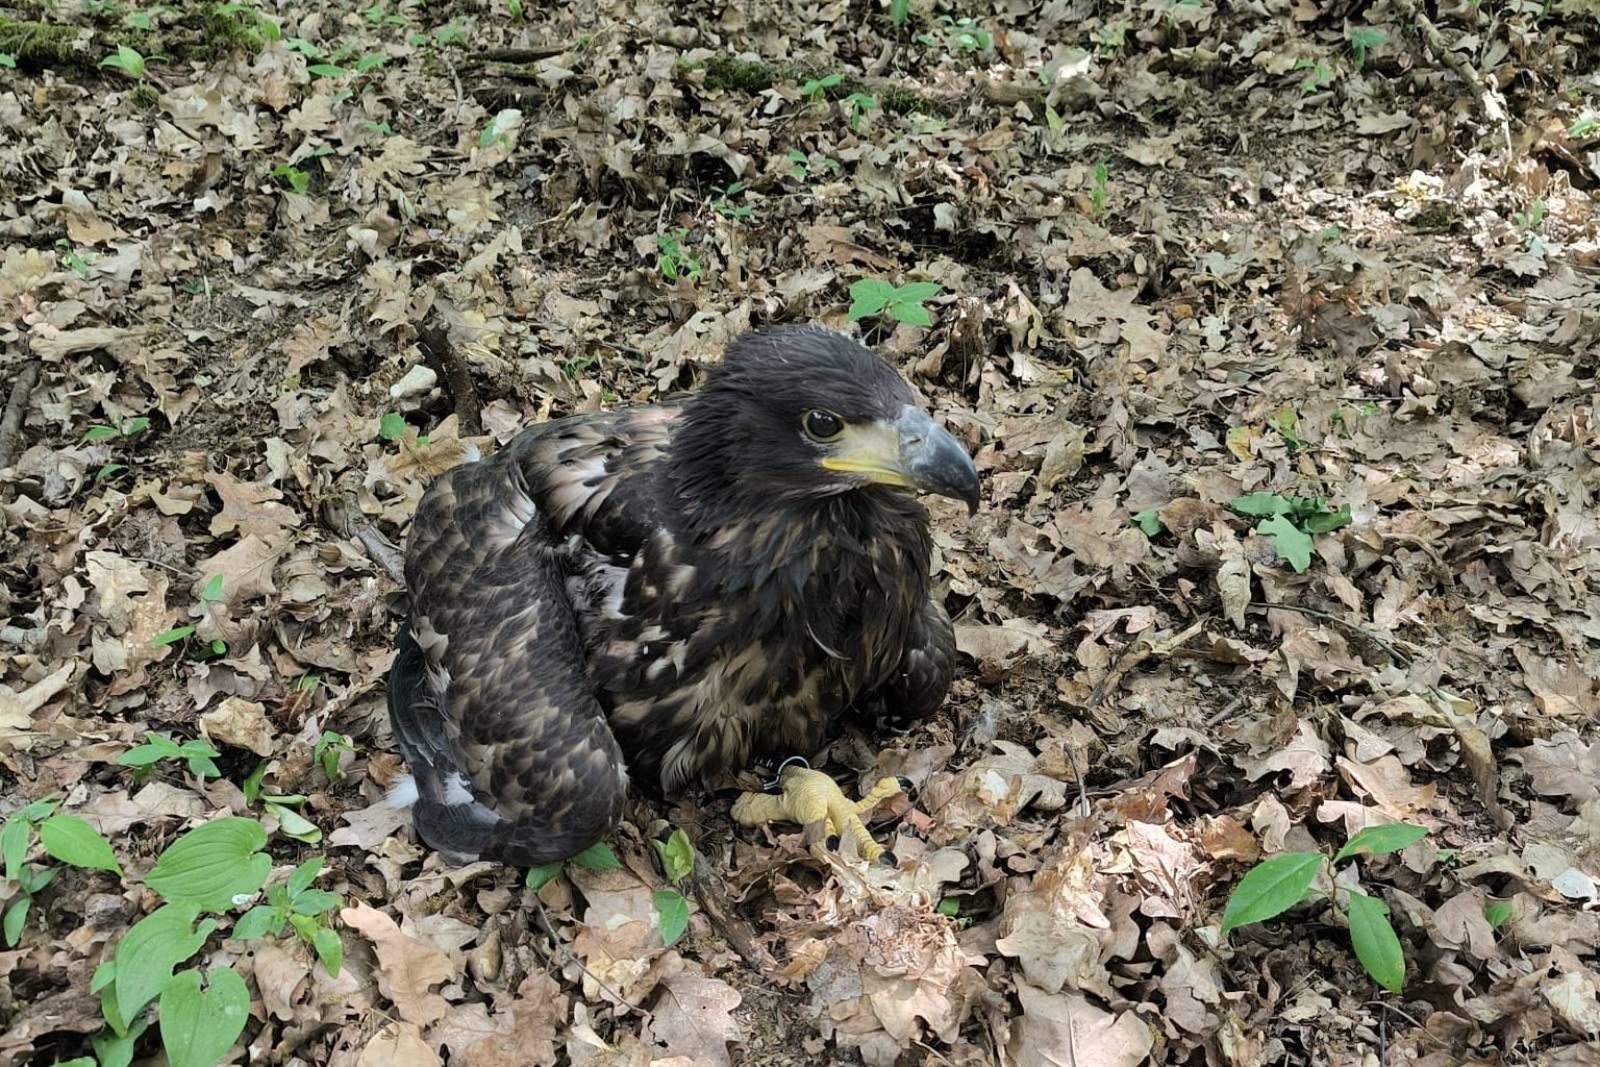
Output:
[[1184, 255]]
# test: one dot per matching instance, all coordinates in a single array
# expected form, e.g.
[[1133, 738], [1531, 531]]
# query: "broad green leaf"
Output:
[[292, 824], [869, 296], [256, 922], [1378, 840], [673, 911], [1148, 521], [949, 906], [198, 1028], [99, 433], [39, 809], [1496, 913], [315, 902], [1375, 942], [103, 975], [8, 61], [16, 915], [329, 949], [540, 875], [212, 589], [911, 314], [304, 875], [126, 60], [392, 427], [677, 855], [14, 846], [71, 840], [1270, 887], [1262, 505], [79, 1061], [598, 857], [898, 9], [1325, 521], [148, 952], [167, 637], [212, 864], [325, 70], [1290, 543], [916, 292], [113, 1050]]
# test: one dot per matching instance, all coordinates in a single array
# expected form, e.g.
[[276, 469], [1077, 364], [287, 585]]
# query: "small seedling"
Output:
[[295, 903], [210, 592], [859, 104], [1148, 521], [293, 177], [326, 752], [1530, 220], [8, 61], [677, 860], [672, 260], [1097, 192], [123, 428], [1363, 40], [198, 756], [597, 857], [724, 205], [64, 837], [1278, 884], [70, 259], [1321, 76], [1108, 40], [1291, 521], [965, 34], [126, 60], [1287, 423], [869, 296], [1584, 126], [898, 10], [814, 88]]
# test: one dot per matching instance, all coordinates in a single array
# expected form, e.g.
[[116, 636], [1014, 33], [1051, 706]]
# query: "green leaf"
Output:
[[1326, 521], [1496, 913], [104, 975], [1379, 840], [212, 864], [71, 840], [39, 809], [325, 70], [869, 296], [254, 923], [949, 906], [366, 63], [292, 824], [112, 1050], [911, 314], [1270, 888], [1290, 543], [392, 427], [1148, 521], [1261, 505], [315, 902], [126, 60], [329, 949], [99, 433], [79, 1061], [167, 637], [304, 875], [14, 846], [1375, 942], [540, 875], [198, 1028], [148, 952], [677, 855], [36, 878], [8, 61], [16, 915], [673, 911], [898, 10], [916, 292], [598, 857]]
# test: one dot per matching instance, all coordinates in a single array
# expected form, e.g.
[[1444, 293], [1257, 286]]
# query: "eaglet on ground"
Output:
[[666, 592]]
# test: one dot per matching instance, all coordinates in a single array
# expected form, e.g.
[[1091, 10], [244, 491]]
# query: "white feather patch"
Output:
[[402, 794], [457, 791]]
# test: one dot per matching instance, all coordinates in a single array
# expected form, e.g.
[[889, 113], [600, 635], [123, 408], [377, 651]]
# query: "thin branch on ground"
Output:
[[436, 347], [1489, 98], [16, 411]]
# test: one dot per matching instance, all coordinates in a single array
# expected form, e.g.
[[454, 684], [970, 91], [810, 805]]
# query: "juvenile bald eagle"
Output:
[[670, 591]]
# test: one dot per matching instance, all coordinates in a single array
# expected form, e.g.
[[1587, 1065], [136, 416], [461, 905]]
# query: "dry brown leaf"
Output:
[[408, 967], [1066, 1030], [399, 1044]]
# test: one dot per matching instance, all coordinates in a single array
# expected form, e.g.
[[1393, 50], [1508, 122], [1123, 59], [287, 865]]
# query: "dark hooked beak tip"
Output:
[[936, 462]]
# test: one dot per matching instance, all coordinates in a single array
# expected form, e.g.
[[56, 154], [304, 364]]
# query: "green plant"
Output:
[[1363, 40], [1148, 521], [326, 751], [903, 303], [814, 88], [898, 10], [74, 262], [298, 905], [198, 756], [597, 857], [672, 260], [858, 104], [8, 61], [63, 837], [126, 60], [1287, 423], [210, 592], [1273, 886], [1108, 40], [724, 205], [677, 860], [296, 179], [1321, 75], [1097, 192], [1583, 126], [964, 34], [1530, 220], [1290, 521]]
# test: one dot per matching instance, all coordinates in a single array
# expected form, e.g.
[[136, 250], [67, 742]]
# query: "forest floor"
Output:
[[1277, 353]]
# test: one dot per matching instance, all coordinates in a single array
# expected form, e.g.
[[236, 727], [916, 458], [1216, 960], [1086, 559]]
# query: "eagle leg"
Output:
[[814, 801]]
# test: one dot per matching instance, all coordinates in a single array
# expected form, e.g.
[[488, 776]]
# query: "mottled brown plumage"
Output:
[[672, 590]]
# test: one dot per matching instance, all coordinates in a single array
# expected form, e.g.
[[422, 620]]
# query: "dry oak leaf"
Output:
[[1066, 1030], [246, 570], [17, 708], [1563, 766], [397, 1045], [694, 1018], [250, 509], [524, 1033], [241, 723], [407, 967]]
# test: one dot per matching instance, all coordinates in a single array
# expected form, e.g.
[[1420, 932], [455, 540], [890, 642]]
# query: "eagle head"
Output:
[[797, 413]]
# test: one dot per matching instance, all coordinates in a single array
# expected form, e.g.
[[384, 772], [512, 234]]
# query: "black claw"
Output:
[[833, 842], [906, 785], [889, 859]]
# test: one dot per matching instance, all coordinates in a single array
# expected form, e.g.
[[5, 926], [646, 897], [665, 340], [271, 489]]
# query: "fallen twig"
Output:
[[436, 347], [339, 516], [16, 411], [1489, 99], [708, 891]]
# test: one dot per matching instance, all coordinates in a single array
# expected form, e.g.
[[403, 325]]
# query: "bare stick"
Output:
[[436, 346], [341, 517], [16, 411], [1489, 99], [707, 890]]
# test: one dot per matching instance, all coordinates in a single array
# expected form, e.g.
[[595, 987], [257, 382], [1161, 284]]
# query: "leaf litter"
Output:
[[1291, 451]]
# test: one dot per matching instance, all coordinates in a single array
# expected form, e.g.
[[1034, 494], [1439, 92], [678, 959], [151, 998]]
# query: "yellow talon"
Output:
[[816, 802]]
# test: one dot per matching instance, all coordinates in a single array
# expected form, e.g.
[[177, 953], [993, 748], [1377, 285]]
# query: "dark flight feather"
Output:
[[666, 592]]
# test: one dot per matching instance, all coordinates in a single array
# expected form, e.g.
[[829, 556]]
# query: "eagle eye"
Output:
[[823, 425]]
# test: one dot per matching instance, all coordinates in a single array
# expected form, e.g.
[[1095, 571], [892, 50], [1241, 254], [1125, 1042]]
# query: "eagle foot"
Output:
[[815, 801]]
